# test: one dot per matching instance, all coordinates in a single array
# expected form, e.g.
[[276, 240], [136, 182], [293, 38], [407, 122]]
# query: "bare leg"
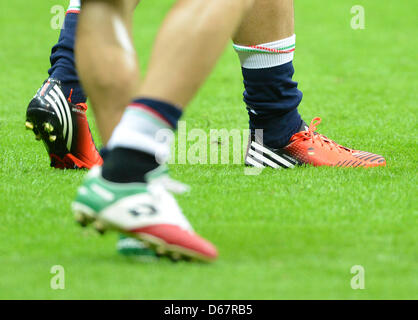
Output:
[[265, 42], [268, 20], [188, 45], [106, 59]]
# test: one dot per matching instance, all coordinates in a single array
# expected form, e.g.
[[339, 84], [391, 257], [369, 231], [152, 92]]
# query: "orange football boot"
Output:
[[63, 127], [309, 147]]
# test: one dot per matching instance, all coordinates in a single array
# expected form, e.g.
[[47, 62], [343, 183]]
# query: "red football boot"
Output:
[[63, 127], [309, 147]]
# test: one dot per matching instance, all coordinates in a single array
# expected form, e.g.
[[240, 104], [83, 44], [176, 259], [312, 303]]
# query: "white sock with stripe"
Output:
[[74, 6], [143, 129], [267, 55]]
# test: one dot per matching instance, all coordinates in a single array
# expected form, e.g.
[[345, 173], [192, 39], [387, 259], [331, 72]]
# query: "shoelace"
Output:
[[82, 105], [314, 136]]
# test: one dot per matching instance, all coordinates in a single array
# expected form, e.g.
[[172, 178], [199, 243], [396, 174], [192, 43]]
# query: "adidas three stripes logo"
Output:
[[56, 99], [261, 157]]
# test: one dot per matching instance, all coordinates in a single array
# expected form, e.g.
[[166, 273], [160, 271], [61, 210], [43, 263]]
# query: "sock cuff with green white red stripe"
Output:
[[74, 7], [267, 55], [147, 125], [163, 111]]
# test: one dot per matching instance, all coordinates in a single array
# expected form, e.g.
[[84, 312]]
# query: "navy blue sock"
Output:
[[63, 62], [272, 99]]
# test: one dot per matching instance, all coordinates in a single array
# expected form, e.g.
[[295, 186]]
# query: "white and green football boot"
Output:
[[144, 211]]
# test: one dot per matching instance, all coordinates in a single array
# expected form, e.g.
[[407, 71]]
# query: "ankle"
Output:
[[124, 165], [74, 93], [137, 146], [277, 128]]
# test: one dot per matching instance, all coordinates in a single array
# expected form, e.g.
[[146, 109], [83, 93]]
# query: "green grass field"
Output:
[[291, 234]]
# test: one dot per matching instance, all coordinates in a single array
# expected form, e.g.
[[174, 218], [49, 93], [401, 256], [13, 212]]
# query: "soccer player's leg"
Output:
[[265, 43], [59, 108], [130, 192], [57, 113]]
